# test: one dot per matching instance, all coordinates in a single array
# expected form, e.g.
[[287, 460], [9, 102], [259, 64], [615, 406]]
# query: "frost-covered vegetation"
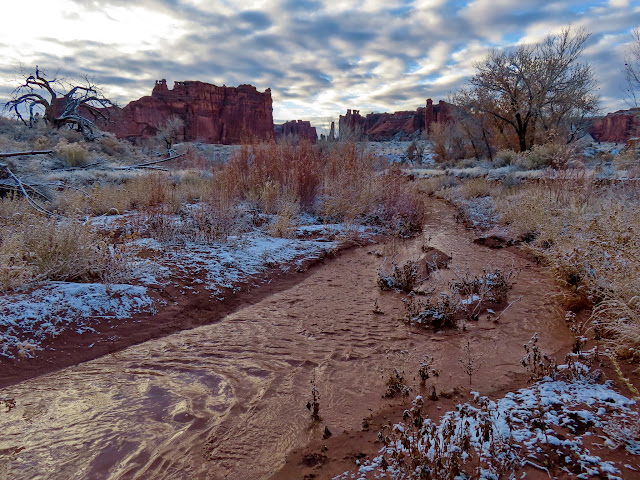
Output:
[[582, 220], [545, 427], [113, 214]]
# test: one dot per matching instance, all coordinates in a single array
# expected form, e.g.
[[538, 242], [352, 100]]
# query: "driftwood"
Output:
[[20, 154], [149, 164], [22, 187]]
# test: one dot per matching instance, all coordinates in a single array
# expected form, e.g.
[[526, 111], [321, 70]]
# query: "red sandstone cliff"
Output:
[[298, 128], [387, 126], [618, 127], [211, 114]]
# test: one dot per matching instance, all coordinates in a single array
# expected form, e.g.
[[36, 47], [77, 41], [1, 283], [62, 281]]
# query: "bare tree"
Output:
[[632, 68], [169, 132], [539, 91], [60, 102]]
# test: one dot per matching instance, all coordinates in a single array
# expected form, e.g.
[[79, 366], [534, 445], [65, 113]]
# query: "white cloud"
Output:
[[619, 3], [319, 57]]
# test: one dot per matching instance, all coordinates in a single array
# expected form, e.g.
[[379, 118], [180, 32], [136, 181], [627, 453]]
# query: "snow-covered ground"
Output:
[[29, 318], [396, 150], [548, 422]]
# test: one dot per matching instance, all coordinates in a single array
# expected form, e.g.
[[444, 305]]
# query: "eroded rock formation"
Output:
[[297, 128], [618, 127], [211, 114], [440, 113], [398, 125]]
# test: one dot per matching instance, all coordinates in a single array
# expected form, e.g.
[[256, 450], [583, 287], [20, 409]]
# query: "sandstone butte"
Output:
[[211, 114], [297, 128], [398, 125], [617, 127]]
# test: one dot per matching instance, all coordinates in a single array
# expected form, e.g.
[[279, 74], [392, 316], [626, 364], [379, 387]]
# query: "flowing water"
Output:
[[228, 400]]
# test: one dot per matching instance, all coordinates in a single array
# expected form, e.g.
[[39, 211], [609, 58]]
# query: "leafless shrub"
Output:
[[427, 369], [492, 286], [537, 363], [470, 361], [402, 278], [428, 313], [395, 384]]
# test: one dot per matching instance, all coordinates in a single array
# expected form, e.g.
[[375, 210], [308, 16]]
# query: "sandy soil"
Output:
[[227, 399]]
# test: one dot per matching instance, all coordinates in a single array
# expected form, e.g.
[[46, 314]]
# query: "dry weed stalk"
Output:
[[466, 444], [470, 361], [538, 364]]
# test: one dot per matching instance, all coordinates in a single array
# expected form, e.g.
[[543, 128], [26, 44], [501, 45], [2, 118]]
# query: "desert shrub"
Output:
[[510, 180], [13, 210], [349, 190], [525, 211], [152, 190], [395, 384], [453, 449], [283, 225], [109, 199], [536, 362], [415, 152], [41, 249], [435, 185], [435, 314], [266, 196], [73, 154], [402, 278], [555, 155], [401, 202], [337, 180], [627, 159], [618, 320], [149, 190], [492, 286], [202, 223], [158, 223], [110, 145], [505, 157], [41, 143], [296, 168], [477, 187], [71, 135]]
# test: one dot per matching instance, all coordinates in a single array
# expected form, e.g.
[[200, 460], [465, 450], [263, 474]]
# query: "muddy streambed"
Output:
[[228, 400]]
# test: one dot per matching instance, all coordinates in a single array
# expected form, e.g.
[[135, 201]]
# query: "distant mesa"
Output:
[[297, 128], [211, 114], [398, 125], [616, 127]]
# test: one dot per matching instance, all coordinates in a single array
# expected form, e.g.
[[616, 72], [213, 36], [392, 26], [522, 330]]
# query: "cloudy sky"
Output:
[[319, 57]]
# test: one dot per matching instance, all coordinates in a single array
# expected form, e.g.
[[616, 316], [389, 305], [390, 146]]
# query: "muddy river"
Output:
[[227, 400]]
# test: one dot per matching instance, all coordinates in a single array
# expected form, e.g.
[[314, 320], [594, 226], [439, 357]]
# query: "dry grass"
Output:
[[284, 223], [195, 200], [39, 248], [478, 187], [590, 236], [73, 154]]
